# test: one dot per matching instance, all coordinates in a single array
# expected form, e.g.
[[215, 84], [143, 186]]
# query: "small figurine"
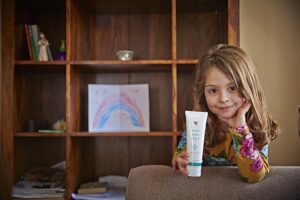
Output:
[[43, 50], [60, 125]]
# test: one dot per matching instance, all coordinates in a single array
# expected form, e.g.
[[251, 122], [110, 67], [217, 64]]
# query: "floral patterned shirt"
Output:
[[237, 149]]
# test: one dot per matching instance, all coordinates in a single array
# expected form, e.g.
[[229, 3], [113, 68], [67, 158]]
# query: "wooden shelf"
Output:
[[188, 62], [117, 62], [98, 134], [167, 37], [38, 134], [39, 63], [125, 134], [124, 66]]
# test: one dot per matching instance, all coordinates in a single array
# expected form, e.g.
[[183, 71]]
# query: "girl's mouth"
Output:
[[226, 108]]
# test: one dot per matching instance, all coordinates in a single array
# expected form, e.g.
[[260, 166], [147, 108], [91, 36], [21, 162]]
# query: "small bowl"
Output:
[[125, 55]]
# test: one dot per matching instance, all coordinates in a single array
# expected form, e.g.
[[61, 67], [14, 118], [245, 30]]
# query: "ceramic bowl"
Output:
[[125, 55]]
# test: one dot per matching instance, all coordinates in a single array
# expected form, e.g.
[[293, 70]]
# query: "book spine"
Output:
[[35, 34], [28, 42], [34, 53]]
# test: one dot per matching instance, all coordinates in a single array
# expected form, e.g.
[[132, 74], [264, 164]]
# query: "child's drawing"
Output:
[[118, 108]]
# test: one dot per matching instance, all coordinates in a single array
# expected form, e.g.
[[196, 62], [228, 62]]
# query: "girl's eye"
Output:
[[232, 88], [212, 91]]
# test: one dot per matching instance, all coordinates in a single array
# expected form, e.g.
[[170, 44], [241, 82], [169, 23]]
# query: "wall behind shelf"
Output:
[[271, 36]]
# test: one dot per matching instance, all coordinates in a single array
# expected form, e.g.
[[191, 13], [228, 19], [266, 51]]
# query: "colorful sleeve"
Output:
[[253, 164], [181, 146]]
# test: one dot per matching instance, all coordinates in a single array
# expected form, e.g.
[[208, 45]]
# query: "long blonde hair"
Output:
[[239, 67]]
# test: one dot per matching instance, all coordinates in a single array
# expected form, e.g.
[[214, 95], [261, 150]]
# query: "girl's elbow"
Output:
[[255, 178]]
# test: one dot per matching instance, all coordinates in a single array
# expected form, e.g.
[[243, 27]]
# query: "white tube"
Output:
[[195, 128]]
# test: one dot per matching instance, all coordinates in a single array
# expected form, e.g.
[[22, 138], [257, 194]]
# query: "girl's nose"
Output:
[[224, 97]]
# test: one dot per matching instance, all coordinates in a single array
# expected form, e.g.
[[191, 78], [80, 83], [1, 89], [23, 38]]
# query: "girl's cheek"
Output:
[[241, 103]]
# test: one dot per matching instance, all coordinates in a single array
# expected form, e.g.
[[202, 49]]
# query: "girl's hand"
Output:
[[240, 118], [182, 162]]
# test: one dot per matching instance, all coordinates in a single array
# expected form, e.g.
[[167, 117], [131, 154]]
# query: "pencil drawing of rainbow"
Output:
[[118, 102]]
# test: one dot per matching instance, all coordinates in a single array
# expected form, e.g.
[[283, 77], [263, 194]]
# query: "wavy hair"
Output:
[[239, 67]]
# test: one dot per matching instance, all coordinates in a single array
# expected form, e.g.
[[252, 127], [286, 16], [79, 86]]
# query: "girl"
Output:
[[239, 127]]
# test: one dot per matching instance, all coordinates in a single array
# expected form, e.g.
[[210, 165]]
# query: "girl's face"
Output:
[[221, 94]]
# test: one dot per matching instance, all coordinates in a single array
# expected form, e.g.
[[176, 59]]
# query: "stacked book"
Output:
[[32, 32], [106, 188], [41, 182], [36, 190], [92, 188]]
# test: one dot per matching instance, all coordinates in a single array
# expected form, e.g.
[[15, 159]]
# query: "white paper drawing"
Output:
[[118, 108]]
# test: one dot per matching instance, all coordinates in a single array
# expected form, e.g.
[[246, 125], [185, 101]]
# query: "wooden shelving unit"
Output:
[[167, 36]]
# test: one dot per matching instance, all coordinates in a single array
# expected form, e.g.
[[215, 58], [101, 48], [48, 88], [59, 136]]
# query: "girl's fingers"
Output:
[[183, 169], [183, 154], [240, 117], [182, 162], [245, 108]]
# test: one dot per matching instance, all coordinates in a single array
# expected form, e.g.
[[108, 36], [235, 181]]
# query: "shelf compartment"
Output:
[[146, 31], [200, 25], [49, 15], [185, 81], [33, 152], [160, 90], [40, 94], [93, 157]]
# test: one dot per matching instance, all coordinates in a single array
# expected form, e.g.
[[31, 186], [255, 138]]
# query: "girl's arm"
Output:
[[181, 147], [253, 164]]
